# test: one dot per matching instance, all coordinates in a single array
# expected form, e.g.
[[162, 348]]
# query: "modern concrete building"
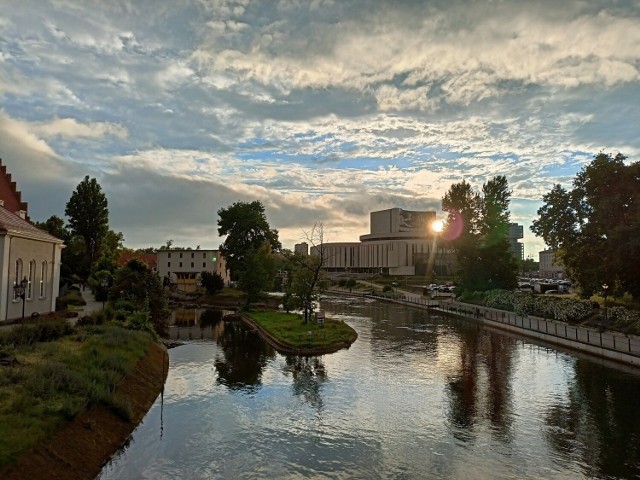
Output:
[[549, 266], [516, 232], [301, 248], [400, 242], [29, 258], [183, 267]]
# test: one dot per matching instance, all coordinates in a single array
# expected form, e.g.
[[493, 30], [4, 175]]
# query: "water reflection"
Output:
[[244, 357], [596, 423], [416, 396], [308, 374]]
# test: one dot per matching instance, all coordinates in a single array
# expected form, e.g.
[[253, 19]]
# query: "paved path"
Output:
[[91, 306]]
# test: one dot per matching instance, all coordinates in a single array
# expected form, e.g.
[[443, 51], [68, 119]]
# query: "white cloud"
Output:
[[71, 128]]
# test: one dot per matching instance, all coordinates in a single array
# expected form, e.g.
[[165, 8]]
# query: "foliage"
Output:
[[57, 380], [54, 225], [477, 229], [594, 228], [306, 278], [259, 272], [212, 282], [290, 328], [41, 331], [72, 297], [142, 290], [247, 229], [88, 214], [625, 320]]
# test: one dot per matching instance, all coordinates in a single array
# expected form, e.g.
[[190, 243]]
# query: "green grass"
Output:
[[57, 379], [290, 328]]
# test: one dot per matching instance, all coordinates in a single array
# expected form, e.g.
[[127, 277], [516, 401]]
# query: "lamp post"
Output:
[[104, 283], [605, 287], [20, 290]]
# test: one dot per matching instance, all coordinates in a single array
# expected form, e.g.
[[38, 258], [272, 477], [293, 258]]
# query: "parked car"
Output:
[[551, 292]]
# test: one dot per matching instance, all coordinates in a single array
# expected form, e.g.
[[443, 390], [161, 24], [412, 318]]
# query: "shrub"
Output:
[[42, 331], [387, 288]]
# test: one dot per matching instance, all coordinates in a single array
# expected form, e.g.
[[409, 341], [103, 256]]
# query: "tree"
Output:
[[477, 229], [246, 228], [594, 228], [259, 272], [142, 287], [54, 225], [88, 214], [305, 274], [212, 282]]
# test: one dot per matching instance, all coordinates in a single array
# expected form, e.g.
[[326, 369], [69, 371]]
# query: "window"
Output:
[[180, 255], [204, 264], [32, 272], [181, 262], [18, 277], [43, 280], [204, 255], [191, 264], [169, 255], [192, 256], [168, 264]]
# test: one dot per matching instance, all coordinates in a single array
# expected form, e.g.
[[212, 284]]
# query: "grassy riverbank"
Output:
[[290, 329], [54, 372]]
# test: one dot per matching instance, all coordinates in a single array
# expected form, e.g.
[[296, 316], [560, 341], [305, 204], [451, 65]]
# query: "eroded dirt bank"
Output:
[[81, 448]]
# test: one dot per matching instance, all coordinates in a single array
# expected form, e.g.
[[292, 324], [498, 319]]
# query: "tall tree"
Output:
[[306, 276], [88, 214], [258, 273], [477, 228], [246, 228], [594, 228]]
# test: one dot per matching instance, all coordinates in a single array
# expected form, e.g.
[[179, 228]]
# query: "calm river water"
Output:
[[417, 396]]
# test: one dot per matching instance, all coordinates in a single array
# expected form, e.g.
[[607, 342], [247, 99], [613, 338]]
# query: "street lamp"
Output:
[[104, 283], [20, 290], [605, 287]]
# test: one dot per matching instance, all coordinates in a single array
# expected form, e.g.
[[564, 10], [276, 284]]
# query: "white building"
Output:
[[400, 242], [29, 257], [301, 248], [183, 267], [549, 266]]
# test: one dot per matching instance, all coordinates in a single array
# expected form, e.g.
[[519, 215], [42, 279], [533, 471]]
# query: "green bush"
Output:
[[73, 297], [41, 331]]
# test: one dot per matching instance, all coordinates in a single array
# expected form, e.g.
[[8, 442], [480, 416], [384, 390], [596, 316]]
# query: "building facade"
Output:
[[183, 267], [400, 242], [550, 267], [516, 232], [28, 256], [301, 248]]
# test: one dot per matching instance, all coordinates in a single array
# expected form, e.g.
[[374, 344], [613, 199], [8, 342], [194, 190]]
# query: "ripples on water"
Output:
[[417, 396]]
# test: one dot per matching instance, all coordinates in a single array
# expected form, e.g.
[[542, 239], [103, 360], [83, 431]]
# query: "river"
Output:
[[416, 396]]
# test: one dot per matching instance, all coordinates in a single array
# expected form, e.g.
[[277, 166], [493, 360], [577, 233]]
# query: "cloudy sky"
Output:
[[323, 110]]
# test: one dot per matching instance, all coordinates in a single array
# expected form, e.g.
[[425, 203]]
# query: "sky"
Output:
[[322, 110]]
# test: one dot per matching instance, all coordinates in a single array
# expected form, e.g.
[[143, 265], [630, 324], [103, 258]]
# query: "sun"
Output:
[[437, 226]]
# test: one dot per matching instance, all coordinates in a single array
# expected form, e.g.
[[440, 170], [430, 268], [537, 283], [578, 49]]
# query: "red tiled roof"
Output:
[[10, 223], [9, 193], [149, 258]]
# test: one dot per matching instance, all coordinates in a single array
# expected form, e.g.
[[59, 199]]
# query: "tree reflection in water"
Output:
[[588, 428], [245, 356], [472, 386], [309, 373]]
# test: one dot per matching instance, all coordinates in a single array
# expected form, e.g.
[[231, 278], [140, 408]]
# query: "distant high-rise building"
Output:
[[301, 248], [516, 232]]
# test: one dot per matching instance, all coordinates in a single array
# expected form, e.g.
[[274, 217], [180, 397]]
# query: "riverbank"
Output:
[[80, 448], [600, 343], [287, 333]]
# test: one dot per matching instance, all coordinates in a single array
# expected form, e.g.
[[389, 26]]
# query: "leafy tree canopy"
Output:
[[246, 228], [594, 228], [477, 229], [212, 282], [88, 214]]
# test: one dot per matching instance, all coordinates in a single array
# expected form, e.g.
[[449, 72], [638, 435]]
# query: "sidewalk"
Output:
[[92, 305]]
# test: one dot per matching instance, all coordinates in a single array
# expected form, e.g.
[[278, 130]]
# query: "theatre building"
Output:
[[400, 242]]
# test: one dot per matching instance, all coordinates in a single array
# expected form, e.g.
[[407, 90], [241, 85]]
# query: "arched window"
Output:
[[43, 279], [17, 277], [30, 279]]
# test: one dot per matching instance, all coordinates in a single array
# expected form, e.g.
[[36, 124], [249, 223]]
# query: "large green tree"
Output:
[[477, 230], [594, 228], [88, 214], [246, 228], [258, 273]]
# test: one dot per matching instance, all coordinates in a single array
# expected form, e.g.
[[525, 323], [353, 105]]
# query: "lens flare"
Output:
[[437, 226]]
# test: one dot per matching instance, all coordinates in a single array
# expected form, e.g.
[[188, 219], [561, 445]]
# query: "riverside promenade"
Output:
[[602, 343]]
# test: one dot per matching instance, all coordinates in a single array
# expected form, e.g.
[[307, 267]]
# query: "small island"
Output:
[[288, 333]]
